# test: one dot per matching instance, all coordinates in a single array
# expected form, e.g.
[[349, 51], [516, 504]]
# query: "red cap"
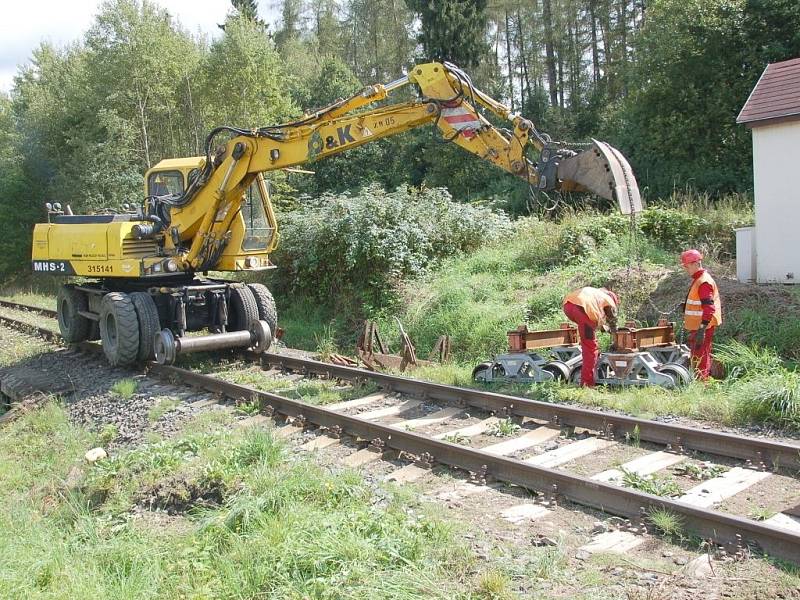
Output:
[[691, 256]]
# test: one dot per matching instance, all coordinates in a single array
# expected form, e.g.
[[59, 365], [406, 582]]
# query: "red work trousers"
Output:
[[586, 333], [701, 357]]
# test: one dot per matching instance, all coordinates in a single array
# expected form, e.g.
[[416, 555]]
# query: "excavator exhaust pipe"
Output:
[[603, 170], [257, 338]]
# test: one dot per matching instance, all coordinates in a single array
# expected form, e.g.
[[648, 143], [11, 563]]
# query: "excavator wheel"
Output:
[[149, 325], [267, 311], [74, 327], [119, 329], [242, 309]]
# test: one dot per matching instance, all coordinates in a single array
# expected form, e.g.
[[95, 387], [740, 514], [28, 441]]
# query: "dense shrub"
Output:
[[670, 228], [359, 246], [693, 219], [581, 236]]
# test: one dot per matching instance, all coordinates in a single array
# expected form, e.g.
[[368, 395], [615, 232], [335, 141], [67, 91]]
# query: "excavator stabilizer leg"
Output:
[[603, 170]]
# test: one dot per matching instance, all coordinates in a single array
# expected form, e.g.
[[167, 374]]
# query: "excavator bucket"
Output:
[[603, 170]]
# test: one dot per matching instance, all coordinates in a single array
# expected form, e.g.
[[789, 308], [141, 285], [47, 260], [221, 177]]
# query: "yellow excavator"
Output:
[[144, 283]]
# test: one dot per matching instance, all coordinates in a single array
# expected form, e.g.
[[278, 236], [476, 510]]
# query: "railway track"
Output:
[[546, 472]]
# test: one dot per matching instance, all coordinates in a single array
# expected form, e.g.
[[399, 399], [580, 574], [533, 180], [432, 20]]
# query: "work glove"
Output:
[[699, 338]]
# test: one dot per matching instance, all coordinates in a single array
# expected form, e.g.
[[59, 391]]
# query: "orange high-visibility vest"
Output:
[[693, 313], [593, 301]]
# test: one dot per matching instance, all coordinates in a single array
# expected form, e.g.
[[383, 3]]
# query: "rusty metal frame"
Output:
[[522, 340], [636, 339], [374, 353]]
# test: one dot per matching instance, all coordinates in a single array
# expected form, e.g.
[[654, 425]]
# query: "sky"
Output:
[[27, 23]]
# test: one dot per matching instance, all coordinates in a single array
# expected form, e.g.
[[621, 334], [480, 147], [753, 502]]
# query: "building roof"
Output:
[[776, 95]]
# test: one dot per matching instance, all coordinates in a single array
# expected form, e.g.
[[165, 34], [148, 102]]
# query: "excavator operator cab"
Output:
[[165, 183], [258, 232]]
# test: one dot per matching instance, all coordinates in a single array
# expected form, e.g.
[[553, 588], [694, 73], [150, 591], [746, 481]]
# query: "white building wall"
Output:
[[776, 165]]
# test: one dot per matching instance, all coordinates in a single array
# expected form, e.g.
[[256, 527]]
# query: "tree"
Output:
[[21, 199], [697, 61], [245, 82], [247, 9], [142, 67], [452, 30]]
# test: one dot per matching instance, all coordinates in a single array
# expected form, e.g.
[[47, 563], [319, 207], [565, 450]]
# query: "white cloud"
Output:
[[28, 23]]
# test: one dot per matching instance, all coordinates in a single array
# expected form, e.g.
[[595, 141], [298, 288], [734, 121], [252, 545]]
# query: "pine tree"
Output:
[[452, 30], [247, 9]]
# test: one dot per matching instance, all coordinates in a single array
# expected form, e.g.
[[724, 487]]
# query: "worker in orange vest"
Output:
[[702, 312], [590, 308]]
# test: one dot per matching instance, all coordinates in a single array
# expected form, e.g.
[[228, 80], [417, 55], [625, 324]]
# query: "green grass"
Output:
[[700, 472], [762, 514], [667, 523], [651, 484], [277, 528], [125, 388], [503, 428]]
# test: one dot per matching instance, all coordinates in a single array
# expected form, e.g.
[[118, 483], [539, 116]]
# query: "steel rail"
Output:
[[26, 308], [48, 334], [709, 524], [760, 452]]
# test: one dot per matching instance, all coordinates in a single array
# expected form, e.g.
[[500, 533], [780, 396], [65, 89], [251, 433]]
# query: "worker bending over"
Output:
[[590, 308], [702, 313]]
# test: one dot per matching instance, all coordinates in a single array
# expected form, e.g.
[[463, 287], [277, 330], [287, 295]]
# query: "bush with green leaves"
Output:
[[362, 245], [581, 236]]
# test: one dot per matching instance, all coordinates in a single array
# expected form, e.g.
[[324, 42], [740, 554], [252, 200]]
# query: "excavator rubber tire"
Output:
[[267, 310], [149, 325], [242, 310], [119, 329], [74, 328]]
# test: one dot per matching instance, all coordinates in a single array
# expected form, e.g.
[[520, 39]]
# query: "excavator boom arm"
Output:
[[448, 99]]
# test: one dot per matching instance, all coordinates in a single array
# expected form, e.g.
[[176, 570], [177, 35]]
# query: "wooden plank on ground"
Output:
[[202, 403], [254, 421], [570, 452], [723, 487], [644, 465], [784, 521], [532, 438], [362, 457], [363, 401], [320, 442], [432, 419], [469, 430], [407, 474], [388, 411], [288, 431], [617, 542], [524, 512], [463, 490]]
